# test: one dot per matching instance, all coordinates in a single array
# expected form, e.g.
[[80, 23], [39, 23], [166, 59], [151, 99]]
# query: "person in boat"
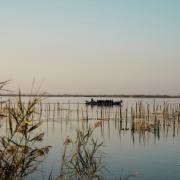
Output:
[[92, 100]]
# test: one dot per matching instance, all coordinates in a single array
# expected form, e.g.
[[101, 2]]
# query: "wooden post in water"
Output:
[[126, 118], [120, 109]]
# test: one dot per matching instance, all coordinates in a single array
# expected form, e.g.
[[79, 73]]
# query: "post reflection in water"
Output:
[[141, 136], [142, 122]]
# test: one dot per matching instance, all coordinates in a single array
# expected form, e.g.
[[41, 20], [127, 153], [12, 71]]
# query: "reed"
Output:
[[84, 159], [20, 150]]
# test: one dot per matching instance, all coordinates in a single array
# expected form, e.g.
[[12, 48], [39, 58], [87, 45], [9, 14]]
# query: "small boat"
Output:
[[104, 103]]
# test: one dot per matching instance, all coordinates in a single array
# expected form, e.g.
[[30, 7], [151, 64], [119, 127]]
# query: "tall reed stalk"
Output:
[[20, 150]]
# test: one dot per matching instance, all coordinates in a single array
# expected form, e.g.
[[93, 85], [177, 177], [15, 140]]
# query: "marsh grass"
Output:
[[20, 150], [82, 157]]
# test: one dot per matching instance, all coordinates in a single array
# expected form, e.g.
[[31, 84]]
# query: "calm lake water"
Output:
[[154, 156]]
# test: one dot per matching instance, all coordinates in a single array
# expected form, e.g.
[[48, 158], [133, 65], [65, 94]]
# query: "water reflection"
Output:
[[143, 122], [140, 136]]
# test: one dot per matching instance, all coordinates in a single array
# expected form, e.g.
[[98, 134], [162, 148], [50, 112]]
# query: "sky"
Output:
[[91, 46]]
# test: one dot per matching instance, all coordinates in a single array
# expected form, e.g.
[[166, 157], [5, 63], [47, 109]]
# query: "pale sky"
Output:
[[91, 46]]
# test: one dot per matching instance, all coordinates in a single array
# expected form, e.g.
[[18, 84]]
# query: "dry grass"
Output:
[[82, 157], [20, 150]]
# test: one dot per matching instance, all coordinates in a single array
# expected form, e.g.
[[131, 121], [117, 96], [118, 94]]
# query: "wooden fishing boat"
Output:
[[104, 103]]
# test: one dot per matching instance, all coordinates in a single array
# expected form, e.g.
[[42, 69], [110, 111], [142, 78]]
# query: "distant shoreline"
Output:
[[92, 95]]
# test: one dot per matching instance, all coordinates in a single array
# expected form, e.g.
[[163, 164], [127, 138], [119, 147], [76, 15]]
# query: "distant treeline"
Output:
[[93, 95]]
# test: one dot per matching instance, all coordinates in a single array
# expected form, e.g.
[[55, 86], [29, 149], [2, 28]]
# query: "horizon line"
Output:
[[94, 95]]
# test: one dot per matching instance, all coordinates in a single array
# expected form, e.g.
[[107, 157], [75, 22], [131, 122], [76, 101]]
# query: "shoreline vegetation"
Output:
[[92, 95]]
